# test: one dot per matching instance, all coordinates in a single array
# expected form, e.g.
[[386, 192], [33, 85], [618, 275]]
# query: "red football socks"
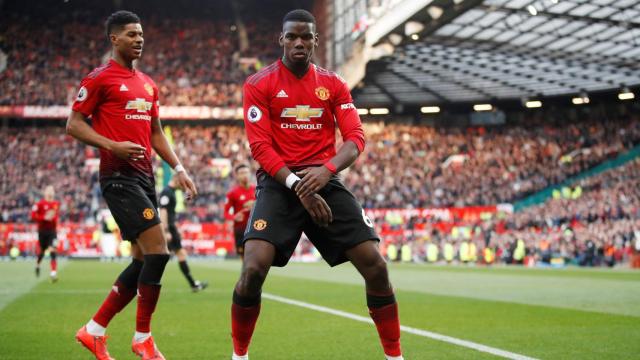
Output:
[[388, 325], [243, 322], [147, 299], [117, 299]]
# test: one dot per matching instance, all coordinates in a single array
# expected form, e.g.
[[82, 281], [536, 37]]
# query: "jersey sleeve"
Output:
[[257, 122], [35, 213], [56, 207], [227, 207], [347, 116], [88, 96], [155, 107]]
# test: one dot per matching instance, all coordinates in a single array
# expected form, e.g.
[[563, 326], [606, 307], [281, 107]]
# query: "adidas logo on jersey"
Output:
[[124, 87], [282, 94]]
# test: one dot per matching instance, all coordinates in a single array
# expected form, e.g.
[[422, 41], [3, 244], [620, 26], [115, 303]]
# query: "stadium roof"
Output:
[[511, 49]]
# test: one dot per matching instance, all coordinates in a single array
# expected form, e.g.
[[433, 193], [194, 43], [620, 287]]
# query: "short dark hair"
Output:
[[299, 15], [119, 19], [239, 167]]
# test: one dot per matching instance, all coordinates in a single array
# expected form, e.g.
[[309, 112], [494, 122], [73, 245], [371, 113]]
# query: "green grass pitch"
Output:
[[539, 313]]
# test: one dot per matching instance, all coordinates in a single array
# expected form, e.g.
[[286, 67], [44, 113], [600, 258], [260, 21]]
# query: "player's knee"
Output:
[[158, 248], [129, 276], [377, 270], [254, 275], [153, 268]]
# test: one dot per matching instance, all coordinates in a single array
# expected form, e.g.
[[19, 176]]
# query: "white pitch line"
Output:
[[448, 339]]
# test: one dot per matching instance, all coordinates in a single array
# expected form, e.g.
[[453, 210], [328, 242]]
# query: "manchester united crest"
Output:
[[148, 213], [259, 224], [149, 89], [322, 93]]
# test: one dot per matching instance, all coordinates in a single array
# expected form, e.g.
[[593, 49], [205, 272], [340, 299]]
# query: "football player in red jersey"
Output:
[[46, 212], [291, 109], [123, 105], [240, 199]]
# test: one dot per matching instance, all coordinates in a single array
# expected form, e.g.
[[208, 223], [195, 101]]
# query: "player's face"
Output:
[[242, 175], [49, 193], [298, 40], [129, 41]]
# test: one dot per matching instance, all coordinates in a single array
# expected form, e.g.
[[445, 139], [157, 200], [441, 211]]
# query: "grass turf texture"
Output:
[[570, 313]]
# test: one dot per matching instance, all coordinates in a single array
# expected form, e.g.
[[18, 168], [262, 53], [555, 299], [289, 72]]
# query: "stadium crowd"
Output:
[[416, 166], [33, 158], [600, 221], [200, 64], [402, 167], [595, 222]]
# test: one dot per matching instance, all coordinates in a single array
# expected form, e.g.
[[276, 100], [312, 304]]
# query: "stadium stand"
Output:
[[463, 167], [601, 218], [422, 185], [199, 64]]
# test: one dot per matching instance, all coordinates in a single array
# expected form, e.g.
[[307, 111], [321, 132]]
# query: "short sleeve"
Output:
[[88, 96], [155, 107]]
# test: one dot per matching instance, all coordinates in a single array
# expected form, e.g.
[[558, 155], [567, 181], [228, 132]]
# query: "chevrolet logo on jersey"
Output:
[[302, 112], [139, 104]]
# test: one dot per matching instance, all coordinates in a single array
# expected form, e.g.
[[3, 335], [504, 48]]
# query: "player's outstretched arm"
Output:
[[79, 129], [161, 146]]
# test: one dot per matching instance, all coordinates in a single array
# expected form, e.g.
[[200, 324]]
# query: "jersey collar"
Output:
[[123, 68]]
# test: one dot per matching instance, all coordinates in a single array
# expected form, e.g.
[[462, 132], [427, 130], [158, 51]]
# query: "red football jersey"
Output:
[[236, 200], [292, 122], [121, 103], [46, 213]]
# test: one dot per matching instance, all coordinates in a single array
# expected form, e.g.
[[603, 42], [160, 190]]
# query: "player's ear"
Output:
[[316, 39], [281, 39]]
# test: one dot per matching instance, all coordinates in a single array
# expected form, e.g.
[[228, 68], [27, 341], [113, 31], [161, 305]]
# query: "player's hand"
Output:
[[186, 184], [318, 209], [248, 205], [238, 217], [127, 150], [167, 236], [313, 180], [49, 215]]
